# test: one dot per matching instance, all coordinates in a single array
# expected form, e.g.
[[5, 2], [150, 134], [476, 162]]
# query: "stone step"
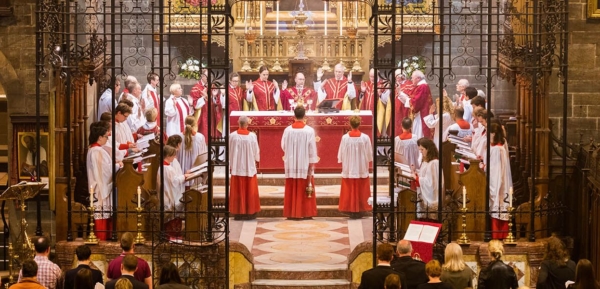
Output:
[[299, 284], [322, 211], [275, 274]]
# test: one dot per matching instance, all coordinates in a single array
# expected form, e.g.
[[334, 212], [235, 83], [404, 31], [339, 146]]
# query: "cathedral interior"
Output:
[[535, 63]]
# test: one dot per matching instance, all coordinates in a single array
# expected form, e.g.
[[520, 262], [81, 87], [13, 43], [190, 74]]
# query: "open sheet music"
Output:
[[421, 233], [405, 170], [144, 141]]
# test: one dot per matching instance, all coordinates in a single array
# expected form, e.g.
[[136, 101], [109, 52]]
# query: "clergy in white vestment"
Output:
[[427, 180], [106, 103], [406, 150], [150, 95], [300, 156], [244, 201], [136, 119], [461, 126], [99, 172], [174, 186], [355, 154], [123, 134], [433, 120], [419, 101], [500, 182], [192, 146], [176, 109]]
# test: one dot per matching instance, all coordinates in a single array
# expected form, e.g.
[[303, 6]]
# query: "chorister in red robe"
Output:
[[300, 153], [355, 154], [244, 200], [298, 94]]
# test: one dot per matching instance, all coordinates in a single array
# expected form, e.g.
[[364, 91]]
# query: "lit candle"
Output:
[[91, 196], [277, 24], [341, 19], [139, 193], [245, 16], [464, 197], [325, 16], [510, 196], [261, 19]]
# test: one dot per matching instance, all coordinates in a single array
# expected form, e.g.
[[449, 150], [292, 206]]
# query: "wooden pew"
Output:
[[449, 168], [196, 204], [128, 180], [152, 172], [474, 181]]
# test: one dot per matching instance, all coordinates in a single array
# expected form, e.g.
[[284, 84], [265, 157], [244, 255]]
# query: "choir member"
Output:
[[106, 119], [151, 125], [127, 83], [237, 95], [470, 92], [427, 180], [244, 201], [175, 141], [338, 87], [123, 135], [136, 118], [299, 93], [460, 95], [300, 156], [176, 109], [463, 127], [262, 93], [107, 103], [99, 172], [355, 154], [192, 146], [479, 143], [173, 192], [419, 102], [406, 148], [150, 96], [500, 182], [432, 120]]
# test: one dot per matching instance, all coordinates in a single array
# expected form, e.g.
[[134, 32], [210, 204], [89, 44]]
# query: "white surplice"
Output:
[[119, 154], [432, 121], [123, 133], [186, 155], [104, 104], [479, 143], [174, 187], [500, 181], [300, 150], [243, 154], [461, 132], [355, 154], [428, 187], [136, 119], [147, 97], [99, 172], [468, 115], [175, 120], [408, 150]]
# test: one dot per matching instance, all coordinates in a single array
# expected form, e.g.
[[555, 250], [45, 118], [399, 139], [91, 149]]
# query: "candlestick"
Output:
[[510, 197], [325, 16], [245, 16], [91, 238], [139, 238], [277, 24], [464, 240], [464, 198], [91, 196], [261, 19], [139, 193], [341, 18]]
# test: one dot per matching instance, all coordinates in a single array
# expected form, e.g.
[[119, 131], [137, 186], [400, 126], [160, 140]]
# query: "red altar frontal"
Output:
[[329, 129]]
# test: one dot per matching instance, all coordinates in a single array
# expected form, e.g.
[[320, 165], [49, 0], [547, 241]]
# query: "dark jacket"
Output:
[[553, 276], [172, 286], [497, 275], [136, 284], [70, 276], [374, 278], [413, 268]]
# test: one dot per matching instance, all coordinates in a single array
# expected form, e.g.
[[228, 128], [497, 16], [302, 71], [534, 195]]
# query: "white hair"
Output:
[[463, 82], [340, 65], [418, 74], [174, 86], [243, 121]]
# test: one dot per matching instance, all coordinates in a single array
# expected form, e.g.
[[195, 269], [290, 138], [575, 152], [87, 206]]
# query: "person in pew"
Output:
[[244, 201], [262, 93], [151, 125], [392, 281], [339, 87], [175, 141], [29, 279], [141, 272], [83, 254], [405, 144], [470, 92], [129, 266], [584, 276], [355, 154], [169, 278], [455, 272], [100, 177], [432, 120], [479, 138], [427, 180], [476, 102], [106, 120], [106, 102], [300, 156], [136, 118], [408, 266], [174, 186], [461, 126], [434, 270], [497, 274], [374, 278], [192, 146], [500, 182], [557, 268]]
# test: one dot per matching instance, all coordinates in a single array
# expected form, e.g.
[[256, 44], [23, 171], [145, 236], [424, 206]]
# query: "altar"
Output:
[[329, 129]]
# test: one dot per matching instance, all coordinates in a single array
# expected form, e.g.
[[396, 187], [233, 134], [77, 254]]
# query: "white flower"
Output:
[[188, 62], [184, 67], [405, 65], [415, 65], [196, 62], [415, 58], [196, 68]]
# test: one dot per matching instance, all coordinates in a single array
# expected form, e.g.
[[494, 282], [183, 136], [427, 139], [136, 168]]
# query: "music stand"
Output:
[[21, 192]]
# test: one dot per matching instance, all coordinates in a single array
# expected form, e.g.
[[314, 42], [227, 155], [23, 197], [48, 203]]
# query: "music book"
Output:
[[196, 174], [421, 233], [198, 167]]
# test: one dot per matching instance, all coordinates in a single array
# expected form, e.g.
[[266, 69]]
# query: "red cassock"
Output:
[[400, 110], [264, 94], [294, 93], [236, 98], [421, 101], [296, 202], [215, 113], [335, 88]]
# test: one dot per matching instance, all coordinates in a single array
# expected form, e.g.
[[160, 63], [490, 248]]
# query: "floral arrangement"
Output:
[[411, 64], [190, 69], [202, 3]]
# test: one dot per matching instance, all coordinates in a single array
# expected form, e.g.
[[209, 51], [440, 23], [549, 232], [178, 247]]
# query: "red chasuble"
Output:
[[400, 111], [236, 98], [336, 88], [293, 93], [263, 93], [367, 103], [420, 101]]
